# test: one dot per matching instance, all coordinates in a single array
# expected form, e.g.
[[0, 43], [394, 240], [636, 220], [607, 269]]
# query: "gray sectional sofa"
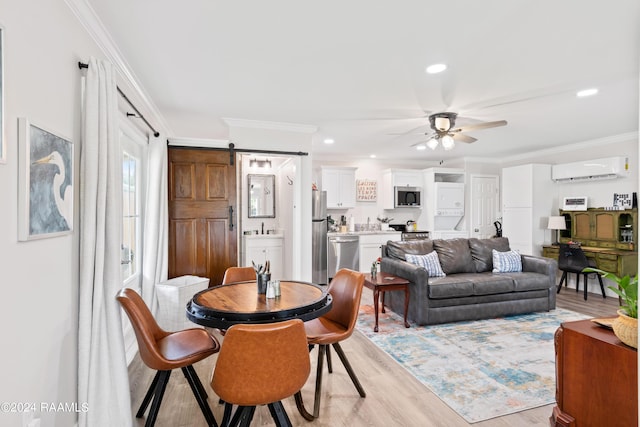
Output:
[[470, 290]]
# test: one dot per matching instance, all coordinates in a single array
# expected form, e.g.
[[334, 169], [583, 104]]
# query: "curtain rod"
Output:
[[82, 65]]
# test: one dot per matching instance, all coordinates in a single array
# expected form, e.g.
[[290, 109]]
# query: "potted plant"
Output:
[[626, 325], [384, 222]]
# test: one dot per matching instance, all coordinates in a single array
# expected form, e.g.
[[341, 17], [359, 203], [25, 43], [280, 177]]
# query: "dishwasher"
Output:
[[342, 252]]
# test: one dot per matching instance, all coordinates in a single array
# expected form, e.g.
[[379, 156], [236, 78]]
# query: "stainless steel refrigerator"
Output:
[[319, 228]]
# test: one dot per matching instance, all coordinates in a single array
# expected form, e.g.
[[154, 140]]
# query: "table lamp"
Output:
[[556, 223]]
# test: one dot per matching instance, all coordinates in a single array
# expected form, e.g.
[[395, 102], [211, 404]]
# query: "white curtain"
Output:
[[155, 258], [103, 381]]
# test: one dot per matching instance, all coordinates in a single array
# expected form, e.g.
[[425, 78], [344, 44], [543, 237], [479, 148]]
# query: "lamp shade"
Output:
[[556, 223], [447, 142]]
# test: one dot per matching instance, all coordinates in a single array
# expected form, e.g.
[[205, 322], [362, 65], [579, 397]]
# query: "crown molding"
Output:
[[99, 33], [259, 124]]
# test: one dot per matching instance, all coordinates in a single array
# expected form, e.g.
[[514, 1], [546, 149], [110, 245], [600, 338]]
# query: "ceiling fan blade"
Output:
[[479, 126], [460, 137], [407, 133], [424, 141], [413, 131]]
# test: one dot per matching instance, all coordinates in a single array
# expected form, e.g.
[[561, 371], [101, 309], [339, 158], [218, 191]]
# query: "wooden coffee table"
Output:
[[387, 282]]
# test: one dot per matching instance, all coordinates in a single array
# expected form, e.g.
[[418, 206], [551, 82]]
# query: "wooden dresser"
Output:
[[596, 378]]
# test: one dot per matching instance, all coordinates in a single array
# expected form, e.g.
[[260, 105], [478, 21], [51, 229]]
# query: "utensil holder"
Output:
[[261, 281]]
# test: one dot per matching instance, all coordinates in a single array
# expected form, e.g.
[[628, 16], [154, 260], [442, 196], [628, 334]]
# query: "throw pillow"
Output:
[[481, 251], [506, 262], [430, 262]]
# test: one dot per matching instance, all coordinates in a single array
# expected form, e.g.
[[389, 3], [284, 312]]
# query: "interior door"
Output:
[[202, 213], [484, 205]]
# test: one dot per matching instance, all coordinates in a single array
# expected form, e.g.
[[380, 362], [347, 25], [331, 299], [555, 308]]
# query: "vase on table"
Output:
[[626, 329], [261, 281]]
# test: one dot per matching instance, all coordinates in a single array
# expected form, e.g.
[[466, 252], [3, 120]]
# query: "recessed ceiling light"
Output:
[[328, 141], [436, 68], [421, 147], [587, 92], [373, 156]]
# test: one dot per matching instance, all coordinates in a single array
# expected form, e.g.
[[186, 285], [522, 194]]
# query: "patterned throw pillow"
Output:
[[430, 262], [506, 262]]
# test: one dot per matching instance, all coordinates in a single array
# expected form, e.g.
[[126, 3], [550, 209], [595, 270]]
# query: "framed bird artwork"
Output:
[[45, 183]]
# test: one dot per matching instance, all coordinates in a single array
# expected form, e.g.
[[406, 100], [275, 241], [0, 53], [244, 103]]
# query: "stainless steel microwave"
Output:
[[407, 197]]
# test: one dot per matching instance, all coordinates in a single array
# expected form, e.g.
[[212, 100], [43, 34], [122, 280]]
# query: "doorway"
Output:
[[202, 213], [485, 191]]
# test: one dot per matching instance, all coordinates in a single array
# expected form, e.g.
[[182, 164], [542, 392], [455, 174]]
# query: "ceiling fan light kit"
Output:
[[445, 134], [447, 142]]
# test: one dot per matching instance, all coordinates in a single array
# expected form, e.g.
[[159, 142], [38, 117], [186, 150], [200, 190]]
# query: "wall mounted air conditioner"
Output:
[[606, 168]]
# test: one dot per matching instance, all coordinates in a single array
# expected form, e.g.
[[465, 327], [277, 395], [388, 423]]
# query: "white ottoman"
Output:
[[173, 296]]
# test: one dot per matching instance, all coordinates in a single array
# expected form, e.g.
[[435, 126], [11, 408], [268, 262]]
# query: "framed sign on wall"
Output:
[[366, 190]]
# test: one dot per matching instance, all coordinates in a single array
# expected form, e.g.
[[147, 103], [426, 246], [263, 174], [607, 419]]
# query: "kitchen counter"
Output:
[[361, 233]]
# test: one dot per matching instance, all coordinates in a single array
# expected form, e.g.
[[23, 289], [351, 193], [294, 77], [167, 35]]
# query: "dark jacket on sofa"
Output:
[[470, 290]]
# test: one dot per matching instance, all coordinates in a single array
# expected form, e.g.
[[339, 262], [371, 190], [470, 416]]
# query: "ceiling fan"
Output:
[[444, 132]]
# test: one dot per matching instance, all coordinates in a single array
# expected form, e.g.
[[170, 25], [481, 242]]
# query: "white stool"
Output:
[[173, 296]]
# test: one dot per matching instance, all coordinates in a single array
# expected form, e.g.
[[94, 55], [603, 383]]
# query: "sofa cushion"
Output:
[[506, 262], [527, 281], [416, 247], [450, 286], [489, 284], [454, 255], [429, 262], [470, 284], [481, 251]]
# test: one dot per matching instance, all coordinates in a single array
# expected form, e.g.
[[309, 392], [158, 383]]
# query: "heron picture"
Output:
[[3, 148], [46, 189]]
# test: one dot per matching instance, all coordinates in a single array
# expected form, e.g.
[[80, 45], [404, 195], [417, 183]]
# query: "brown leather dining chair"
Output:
[[165, 351], [335, 326], [238, 274], [261, 364]]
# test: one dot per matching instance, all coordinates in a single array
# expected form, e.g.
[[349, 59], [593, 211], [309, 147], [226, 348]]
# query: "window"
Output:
[[130, 216], [133, 145]]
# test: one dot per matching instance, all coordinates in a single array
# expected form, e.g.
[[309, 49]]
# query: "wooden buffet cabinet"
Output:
[[596, 378], [609, 237]]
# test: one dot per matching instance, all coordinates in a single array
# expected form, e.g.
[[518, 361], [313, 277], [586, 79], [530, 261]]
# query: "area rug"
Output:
[[481, 369]]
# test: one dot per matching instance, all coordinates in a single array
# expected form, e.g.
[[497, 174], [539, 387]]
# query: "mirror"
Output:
[[262, 196]]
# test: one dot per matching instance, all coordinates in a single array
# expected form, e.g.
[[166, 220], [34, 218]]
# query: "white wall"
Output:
[[43, 42]]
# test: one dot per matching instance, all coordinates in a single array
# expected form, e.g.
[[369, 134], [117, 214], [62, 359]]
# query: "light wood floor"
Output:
[[394, 397]]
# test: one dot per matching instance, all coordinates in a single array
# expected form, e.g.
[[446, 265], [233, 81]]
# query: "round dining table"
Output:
[[237, 303]]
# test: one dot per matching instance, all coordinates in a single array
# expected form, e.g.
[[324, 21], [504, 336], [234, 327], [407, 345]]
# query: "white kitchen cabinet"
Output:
[[398, 178], [527, 201], [260, 248], [340, 185], [371, 248]]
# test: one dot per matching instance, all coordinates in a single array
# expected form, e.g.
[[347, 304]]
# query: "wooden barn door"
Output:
[[202, 213]]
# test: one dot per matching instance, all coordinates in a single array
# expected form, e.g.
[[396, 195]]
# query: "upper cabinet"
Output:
[[392, 178], [340, 185], [602, 228]]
